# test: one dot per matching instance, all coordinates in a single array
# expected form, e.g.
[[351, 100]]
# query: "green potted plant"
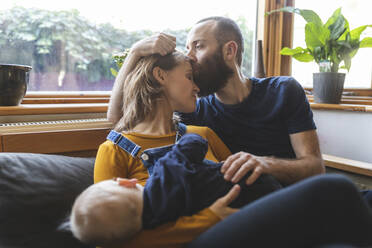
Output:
[[119, 60], [332, 45]]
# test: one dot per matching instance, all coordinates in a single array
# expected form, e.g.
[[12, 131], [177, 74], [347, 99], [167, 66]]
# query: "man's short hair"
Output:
[[227, 30]]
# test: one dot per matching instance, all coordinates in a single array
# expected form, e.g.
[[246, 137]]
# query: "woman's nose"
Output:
[[196, 88], [191, 55]]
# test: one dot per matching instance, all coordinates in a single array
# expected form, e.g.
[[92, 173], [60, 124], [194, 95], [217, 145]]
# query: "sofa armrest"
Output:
[[36, 194]]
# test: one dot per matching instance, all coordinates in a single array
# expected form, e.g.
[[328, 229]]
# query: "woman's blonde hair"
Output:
[[141, 89]]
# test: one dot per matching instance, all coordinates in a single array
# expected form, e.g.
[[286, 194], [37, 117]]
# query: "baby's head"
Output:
[[108, 212]]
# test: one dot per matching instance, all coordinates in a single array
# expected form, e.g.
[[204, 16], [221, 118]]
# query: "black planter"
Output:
[[13, 83], [328, 87]]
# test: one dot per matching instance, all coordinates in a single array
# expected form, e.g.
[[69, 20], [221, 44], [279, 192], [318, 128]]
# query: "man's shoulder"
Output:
[[282, 86], [276, 82]]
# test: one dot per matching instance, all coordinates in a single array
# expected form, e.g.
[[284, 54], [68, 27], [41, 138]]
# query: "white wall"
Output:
[[345, 134]]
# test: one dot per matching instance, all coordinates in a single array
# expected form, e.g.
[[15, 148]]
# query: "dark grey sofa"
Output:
[[36, 195]]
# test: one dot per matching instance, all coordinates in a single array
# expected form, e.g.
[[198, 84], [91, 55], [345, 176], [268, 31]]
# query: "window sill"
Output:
[[61, 108], [64, 97], [349, 165], [348, 103], [352, 91], [347, 107]]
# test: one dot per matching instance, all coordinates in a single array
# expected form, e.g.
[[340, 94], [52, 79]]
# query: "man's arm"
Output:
[[161, 44], [308, 162]]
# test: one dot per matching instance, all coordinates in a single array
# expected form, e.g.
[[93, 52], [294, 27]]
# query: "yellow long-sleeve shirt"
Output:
[[112, 161]]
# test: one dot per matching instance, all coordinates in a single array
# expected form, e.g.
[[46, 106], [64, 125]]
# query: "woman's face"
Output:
[[180, 88]]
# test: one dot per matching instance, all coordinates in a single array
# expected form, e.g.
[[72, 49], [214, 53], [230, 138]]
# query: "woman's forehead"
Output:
[[185, 65]]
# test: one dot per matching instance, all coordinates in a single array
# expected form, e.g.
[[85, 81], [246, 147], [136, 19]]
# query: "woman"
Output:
[[153, 88]]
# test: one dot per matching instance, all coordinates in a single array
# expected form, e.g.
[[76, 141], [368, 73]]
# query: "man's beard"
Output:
[[212, 74]]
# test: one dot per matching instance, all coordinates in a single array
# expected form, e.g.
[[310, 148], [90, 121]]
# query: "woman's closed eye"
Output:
[[190, 77]]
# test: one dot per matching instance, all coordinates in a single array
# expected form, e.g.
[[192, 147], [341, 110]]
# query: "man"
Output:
[[267, 123]]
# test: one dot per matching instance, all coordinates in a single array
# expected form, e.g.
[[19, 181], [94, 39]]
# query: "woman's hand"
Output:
[[160, 43], [239, 164], [221, 206]]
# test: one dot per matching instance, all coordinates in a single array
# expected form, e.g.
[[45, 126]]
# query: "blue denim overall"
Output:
[[148, 156]]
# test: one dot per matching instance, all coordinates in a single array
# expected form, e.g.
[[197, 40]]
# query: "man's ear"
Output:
[[229, 50], [159, 74]]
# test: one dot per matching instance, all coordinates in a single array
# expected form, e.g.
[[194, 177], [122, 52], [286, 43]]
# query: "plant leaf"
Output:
[[291, 52], [303, 57], [298, 53], [337, 28], [347, 31], [366, 42], [287, 9], [317, 53], [316, 35], [344, 43], [113, 72], [333, 18], [311, 17], [355, 33], [347, 62], [307, 14], [353, 52]]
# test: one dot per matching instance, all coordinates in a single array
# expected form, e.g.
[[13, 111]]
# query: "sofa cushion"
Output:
[[36, 194]]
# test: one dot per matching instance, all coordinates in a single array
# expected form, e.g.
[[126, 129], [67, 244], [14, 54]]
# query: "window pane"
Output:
[[358, 13], [70, 43]]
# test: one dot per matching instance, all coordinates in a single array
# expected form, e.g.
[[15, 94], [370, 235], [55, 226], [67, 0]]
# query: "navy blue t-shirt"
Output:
[[261, 123]]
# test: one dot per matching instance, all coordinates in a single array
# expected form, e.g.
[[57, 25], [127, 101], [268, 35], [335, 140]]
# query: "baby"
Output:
[[182, 183]]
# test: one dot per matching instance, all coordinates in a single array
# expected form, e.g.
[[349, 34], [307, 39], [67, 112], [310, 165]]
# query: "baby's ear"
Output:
[[129, 183]]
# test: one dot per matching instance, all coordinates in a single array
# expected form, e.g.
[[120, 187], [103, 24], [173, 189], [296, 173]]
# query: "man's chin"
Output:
[[206, 88], [203, 94]]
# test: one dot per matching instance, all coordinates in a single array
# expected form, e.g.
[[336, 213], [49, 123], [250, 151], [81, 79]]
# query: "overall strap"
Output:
[[124, 143], [181, 130]]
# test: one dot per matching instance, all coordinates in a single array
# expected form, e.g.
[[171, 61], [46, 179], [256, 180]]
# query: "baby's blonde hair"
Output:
[[106, 214], [141, 89]]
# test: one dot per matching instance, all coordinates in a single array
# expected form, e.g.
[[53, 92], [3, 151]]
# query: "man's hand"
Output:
[[157, 44], [221, 206], [239, 164]]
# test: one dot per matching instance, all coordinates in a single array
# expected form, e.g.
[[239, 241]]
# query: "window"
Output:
[[358, 13], [70, 43]]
